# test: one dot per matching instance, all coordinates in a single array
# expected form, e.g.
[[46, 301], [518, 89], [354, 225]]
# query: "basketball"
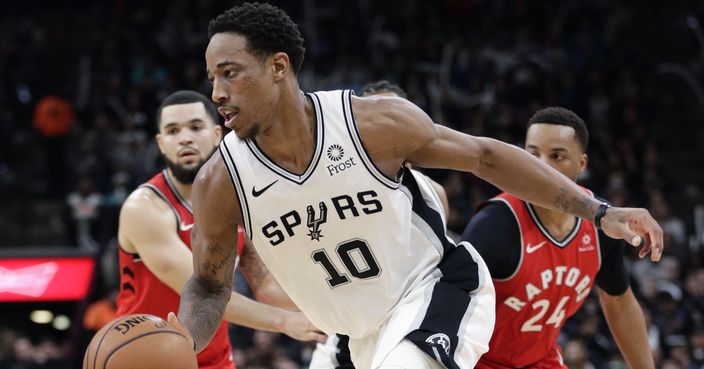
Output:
[[139, 341]]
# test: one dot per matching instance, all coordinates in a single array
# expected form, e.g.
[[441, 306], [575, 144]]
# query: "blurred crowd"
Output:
[[80, 84]]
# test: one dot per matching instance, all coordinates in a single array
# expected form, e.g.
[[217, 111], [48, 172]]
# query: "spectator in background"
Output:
[[575, 355], [675, 232], [85, 207]]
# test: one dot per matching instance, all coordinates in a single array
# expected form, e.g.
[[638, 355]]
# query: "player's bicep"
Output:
[[214, 236], [450, 149], [150, 228]]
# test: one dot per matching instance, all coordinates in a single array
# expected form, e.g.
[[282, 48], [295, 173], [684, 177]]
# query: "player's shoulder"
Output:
[[144, 215], [392, 121], [144, 198], [382, 109], [213, 193], [144, 206], [213, 173]]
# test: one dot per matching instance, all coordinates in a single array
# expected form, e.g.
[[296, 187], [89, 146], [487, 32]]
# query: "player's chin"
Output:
[[244, 133], [189, 164]]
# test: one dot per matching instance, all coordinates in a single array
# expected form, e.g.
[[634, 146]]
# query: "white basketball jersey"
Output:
[[344, 241]]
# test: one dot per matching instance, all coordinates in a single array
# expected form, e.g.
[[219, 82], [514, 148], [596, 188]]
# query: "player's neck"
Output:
[[289, 139], [557, 223], [184, 190]]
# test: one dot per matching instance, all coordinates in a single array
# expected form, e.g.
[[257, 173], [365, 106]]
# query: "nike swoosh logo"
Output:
[[532, 248], [184, 227], [256, 193]]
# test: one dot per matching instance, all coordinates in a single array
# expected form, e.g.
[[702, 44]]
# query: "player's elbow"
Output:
[[486, 155]]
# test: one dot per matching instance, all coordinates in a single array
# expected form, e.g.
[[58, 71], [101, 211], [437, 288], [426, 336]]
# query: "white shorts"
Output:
[[332, 354], [449, 317]]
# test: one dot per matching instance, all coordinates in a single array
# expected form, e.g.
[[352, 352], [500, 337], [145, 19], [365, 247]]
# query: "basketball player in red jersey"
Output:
[[544, 262], [155, 228]]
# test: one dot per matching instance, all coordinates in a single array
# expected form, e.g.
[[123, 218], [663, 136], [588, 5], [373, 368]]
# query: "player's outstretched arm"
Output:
[[395, 130], [214, 243], [627, 325]]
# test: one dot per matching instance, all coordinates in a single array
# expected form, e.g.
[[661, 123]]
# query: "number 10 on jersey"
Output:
[[363, 266]]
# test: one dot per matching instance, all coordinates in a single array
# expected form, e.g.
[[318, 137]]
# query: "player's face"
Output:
[[187, 137], [243, 84], [557, 146]]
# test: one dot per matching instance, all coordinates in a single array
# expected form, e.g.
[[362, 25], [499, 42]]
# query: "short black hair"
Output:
[[187, 97], [563, 117], [372, 88], [267, 29]]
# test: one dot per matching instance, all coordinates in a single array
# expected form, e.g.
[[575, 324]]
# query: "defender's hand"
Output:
[[174, 322], [297, 326], [636, 226]]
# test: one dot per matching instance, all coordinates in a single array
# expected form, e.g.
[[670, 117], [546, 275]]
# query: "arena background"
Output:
[[80, 82]]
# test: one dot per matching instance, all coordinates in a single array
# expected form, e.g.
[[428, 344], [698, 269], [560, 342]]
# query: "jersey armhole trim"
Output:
[[158, 192], [433, 196], [359, 146], [237, 185], [520, 236], [176, 193]]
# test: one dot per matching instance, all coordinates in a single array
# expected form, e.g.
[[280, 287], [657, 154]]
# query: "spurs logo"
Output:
[[314, 223], [439, 340]]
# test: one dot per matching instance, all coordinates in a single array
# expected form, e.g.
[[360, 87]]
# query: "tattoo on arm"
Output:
[[206, 294], [214, 248], [580, 206]]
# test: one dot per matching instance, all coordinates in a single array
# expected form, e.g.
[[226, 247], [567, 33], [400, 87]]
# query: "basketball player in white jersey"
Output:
[[318, 182], [334, 353]]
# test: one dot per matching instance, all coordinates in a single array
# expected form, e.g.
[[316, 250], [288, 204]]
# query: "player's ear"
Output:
[[218, 132], [159, 139], [583, 161], [279, 65]]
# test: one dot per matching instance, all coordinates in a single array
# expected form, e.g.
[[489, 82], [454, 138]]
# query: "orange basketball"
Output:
[[139, 341]]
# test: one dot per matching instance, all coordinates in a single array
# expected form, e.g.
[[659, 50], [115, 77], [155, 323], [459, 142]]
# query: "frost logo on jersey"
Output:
[[336, 154], [442, 340], [314, 223]]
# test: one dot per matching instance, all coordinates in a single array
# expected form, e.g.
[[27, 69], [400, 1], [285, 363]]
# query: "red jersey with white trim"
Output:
[[551, 282], [142, 292]]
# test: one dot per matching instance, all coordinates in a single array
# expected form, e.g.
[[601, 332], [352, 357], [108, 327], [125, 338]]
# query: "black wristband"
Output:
[[600, 214]]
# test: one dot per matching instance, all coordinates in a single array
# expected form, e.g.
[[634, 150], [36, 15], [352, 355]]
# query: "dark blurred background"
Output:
[[80, 82]]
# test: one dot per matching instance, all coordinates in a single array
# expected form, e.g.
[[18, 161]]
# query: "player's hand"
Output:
[[297, 326], [637, 227], [174, 322]]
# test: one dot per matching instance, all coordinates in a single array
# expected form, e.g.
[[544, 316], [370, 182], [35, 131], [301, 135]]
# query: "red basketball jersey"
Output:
[[551, 282], [142, 292]]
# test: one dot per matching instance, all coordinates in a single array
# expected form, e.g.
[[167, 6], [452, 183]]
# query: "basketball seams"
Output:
[[97, 348], [105, 363]]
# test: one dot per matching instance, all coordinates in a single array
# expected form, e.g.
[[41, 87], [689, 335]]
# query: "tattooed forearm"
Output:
[[214, 248], [202, 308], [582, 206]]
